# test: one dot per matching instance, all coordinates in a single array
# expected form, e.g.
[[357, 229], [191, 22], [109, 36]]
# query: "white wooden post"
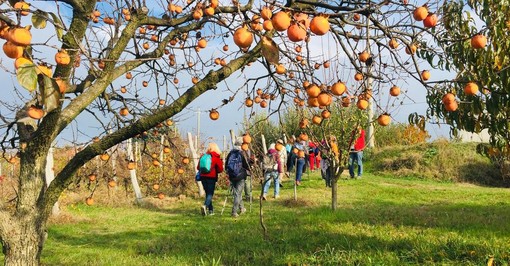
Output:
[[161, 156], [264, 147], [194, 153], [225, 152], [113, 157], [12, 167], [232, 137], [138, 154], [50, 175], [132, 173]]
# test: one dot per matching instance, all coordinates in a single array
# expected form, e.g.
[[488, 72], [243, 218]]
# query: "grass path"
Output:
[[380, 221]]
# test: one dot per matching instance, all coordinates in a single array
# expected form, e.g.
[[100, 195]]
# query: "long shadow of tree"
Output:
[[315, 235]]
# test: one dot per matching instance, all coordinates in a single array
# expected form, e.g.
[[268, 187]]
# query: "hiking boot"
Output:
[[298, 183], [276, 196], [264, 197], [203, 210], [243, 210], [211, 213], [235, 215]]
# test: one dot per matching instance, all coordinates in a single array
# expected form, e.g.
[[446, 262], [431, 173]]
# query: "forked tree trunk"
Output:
[[336, 172]]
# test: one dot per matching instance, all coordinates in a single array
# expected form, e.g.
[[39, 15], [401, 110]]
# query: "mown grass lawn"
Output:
[[379, 221]]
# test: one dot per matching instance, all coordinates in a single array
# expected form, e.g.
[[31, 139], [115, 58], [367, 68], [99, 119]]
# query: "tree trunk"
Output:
[[336, 172], [23, 230], [23, 244], [334, 193], [132, 173]]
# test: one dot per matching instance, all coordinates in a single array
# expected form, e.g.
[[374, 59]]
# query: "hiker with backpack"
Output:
[[237, 169], [270, 165], [209, 166]]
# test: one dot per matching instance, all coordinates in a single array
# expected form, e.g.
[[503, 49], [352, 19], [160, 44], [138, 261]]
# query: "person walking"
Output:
[[282, 153], [318, 155], [311, 156], [330, 151], [271, 166], [248, 191], [299, 151], [356, 152], [237, 168], [291, 157], [209, 166]]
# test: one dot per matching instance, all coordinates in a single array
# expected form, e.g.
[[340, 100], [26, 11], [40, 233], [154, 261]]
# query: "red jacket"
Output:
[[216, 166], [359, 145]]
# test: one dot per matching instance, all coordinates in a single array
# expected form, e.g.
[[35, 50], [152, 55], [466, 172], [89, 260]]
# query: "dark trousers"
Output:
[[291, 159], [209, 187]]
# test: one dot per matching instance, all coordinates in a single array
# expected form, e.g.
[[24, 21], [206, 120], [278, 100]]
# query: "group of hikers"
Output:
[[279, 161]]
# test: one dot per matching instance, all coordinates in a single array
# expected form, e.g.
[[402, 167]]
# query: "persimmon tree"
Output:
[[476, 48], [131, 65]]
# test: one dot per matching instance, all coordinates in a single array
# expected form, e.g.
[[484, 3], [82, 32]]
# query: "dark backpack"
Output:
[[269, 162], [234, 164], [205, 163]]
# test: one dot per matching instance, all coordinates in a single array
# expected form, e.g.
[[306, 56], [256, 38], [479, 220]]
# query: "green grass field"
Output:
[[379, 221]]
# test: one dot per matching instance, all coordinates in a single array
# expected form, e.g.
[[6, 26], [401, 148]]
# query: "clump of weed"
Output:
[[297, 203]]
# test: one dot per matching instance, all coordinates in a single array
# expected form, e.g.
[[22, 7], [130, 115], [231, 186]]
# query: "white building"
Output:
[[483, 136]]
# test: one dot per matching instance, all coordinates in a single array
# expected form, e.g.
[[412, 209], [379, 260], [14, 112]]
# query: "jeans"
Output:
[[299, 168], [209, 186], [356, 157], [268, 175], [237, 191]]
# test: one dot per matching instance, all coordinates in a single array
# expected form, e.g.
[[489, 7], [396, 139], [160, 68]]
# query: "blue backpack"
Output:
[[205, 163], [234, 164]]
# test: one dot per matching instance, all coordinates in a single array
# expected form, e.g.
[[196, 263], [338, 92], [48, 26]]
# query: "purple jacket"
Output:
[[275, 154]]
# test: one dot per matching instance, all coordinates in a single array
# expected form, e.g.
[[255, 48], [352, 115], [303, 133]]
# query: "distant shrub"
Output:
[[399, 134]]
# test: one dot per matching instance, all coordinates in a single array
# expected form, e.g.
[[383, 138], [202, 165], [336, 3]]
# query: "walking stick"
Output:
[[251, 191], [295, 181], [225, 201]]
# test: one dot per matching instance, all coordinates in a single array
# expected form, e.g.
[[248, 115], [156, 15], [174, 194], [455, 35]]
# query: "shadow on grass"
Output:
[[361, 234], [483, 174]]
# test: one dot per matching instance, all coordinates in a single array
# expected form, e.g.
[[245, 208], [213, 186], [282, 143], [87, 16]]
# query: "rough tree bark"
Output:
[[23, 227]]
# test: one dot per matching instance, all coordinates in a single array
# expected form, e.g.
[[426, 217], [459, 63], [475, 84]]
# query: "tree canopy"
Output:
[[475, 47], [129, 66]]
